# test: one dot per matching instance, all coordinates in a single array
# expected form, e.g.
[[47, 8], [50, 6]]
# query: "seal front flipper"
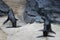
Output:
[[6, 20]]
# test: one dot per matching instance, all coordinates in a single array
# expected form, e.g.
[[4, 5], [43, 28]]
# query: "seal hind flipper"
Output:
[[45, 36], [49, 31], [16, 19], [52, 31], [6, 20]]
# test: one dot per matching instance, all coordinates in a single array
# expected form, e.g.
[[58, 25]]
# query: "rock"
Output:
[[50, 7], [30, 15], [4, 8]]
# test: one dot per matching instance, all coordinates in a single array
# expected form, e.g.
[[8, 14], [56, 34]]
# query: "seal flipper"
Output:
[[16, 19], [52, 31], [6, 20], [45, 36], [49, 31]]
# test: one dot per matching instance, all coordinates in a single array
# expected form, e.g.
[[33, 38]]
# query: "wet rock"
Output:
[[50, 7], [30, 14], [4, 8]]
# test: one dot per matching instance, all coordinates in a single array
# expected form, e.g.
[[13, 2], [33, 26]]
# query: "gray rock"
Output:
[[4, 8], [32, 11]]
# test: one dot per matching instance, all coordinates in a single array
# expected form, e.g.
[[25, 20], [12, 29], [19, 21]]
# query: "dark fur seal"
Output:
[[11, 17]]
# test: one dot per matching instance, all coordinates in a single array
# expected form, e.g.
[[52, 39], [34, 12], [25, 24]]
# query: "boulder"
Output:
[[4, 8], [32, 11]]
